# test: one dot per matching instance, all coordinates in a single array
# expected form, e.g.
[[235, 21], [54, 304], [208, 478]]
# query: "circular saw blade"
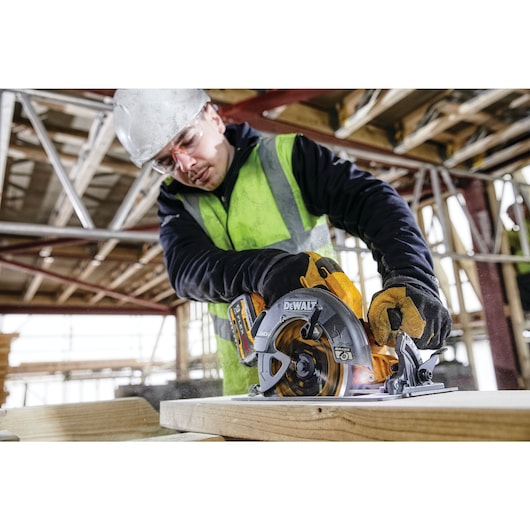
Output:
[[312, 370]]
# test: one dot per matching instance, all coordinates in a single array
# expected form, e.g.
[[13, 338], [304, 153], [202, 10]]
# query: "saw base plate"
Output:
[[364, 396]]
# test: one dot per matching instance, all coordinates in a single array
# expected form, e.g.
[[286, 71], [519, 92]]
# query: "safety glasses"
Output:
[[185, 143]]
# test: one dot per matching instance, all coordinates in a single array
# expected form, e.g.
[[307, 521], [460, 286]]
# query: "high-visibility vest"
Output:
[[266, 210], [523, 267]]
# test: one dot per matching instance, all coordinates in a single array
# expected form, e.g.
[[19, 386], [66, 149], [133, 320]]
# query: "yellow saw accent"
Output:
[[324, 271]]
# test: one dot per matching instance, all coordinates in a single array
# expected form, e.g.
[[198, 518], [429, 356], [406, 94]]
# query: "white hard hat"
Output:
[[146, 120]]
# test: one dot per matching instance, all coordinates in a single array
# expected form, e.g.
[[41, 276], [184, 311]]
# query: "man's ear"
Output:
[[215, 118]]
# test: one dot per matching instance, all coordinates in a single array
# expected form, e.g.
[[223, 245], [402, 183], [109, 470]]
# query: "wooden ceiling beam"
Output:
[[315, 124], [129, 271], [508, 133], [438, 125], [371, 110], [82, 285], [508, 153]]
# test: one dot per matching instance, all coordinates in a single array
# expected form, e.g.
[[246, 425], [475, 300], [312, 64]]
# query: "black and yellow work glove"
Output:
[[293, 271], [309, 269], [416, 311]]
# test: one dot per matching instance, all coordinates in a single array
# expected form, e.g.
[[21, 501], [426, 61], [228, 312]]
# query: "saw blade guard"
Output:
[[330, 330]]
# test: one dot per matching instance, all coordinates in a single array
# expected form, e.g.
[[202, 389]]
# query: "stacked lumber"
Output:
[[112, 420], [5, 348]]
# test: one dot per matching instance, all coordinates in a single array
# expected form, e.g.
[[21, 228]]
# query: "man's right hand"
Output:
[[309, 269], [293, 271]]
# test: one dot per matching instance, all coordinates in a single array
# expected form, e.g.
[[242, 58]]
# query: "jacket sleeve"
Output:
[[365, 207], [197, 269]]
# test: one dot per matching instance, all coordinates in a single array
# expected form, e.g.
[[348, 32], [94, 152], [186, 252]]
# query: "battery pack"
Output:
[[242, 316]]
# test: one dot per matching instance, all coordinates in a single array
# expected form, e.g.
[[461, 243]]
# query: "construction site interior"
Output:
[[96, 347], [87, 309]]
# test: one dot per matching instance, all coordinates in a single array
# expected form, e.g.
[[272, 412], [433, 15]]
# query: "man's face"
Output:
[[200, 155]]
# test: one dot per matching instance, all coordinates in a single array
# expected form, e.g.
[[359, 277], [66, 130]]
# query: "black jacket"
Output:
[[353, 200]]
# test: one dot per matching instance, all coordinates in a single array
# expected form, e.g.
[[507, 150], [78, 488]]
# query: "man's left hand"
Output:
[[416, 311]]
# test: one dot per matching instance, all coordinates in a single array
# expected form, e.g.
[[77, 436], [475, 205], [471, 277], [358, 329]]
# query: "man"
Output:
[[514, 240], [243, 213]]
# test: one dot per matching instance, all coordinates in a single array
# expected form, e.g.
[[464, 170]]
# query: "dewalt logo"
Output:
[[299, 305]]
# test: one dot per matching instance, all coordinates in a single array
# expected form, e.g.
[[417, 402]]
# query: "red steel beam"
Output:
[[503, 350], [276, 126], [82, 285], [65, 309], [39, 244], [270, 100]]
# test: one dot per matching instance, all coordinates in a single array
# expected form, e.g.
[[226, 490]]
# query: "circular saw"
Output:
[[311, 344]]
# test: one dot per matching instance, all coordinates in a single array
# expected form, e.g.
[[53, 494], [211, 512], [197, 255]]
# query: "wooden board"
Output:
[[452, 416], [184, 437], [113, 420]]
